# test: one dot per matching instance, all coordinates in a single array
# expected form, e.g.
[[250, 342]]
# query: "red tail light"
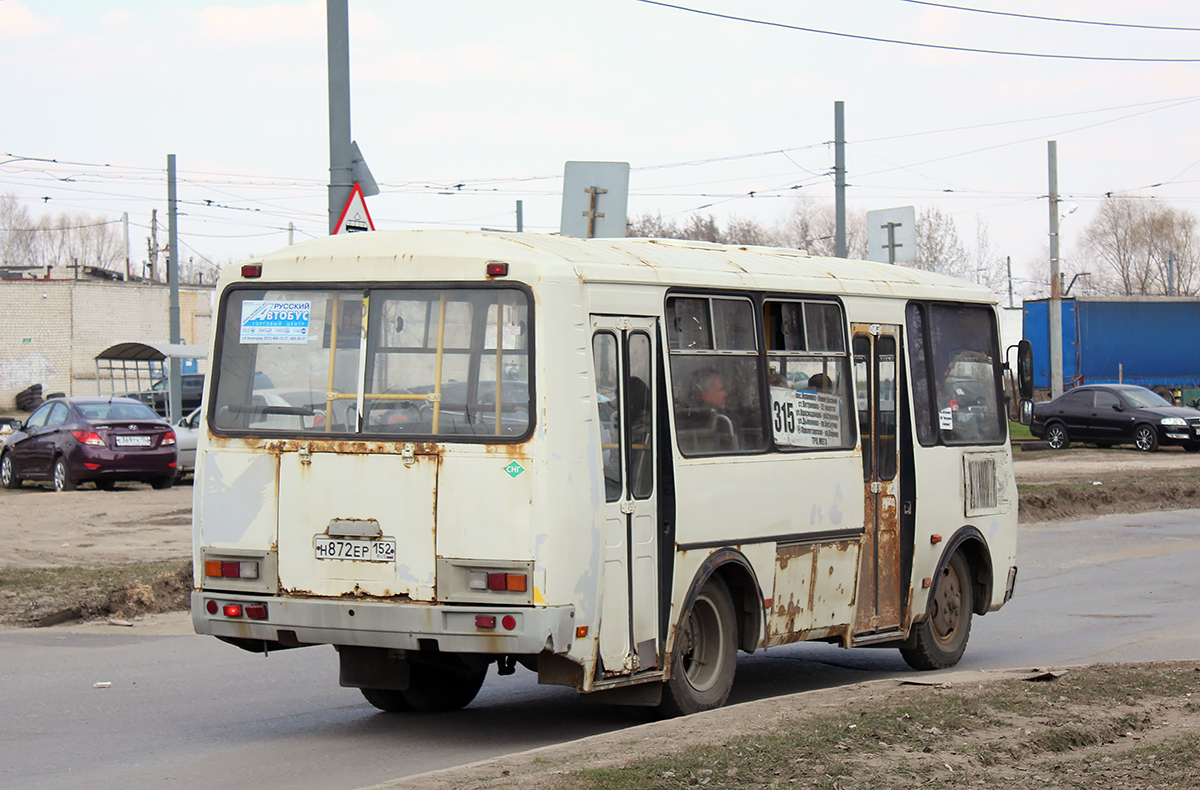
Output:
[[169, 438], [89, 438]]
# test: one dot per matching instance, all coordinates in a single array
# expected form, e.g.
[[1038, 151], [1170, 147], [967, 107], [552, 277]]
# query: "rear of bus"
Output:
[[338, 409]]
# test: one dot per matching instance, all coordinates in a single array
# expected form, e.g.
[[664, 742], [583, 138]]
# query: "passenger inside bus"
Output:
[[702, 424]]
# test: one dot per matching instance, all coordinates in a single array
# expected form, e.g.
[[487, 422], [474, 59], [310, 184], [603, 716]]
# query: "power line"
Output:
[[1054, 18], [879, 40]]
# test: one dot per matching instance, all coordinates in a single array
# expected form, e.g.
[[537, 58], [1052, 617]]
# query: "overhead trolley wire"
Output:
[[1172, 28], [947, 47]]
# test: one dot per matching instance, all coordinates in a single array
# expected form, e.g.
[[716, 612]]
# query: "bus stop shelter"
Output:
[[142, 367]]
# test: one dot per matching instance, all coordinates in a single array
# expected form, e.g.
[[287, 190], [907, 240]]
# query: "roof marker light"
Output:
[[497, 269], [251, 270]]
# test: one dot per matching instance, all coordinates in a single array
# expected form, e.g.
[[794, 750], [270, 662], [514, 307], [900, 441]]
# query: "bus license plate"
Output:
[[383, 550]]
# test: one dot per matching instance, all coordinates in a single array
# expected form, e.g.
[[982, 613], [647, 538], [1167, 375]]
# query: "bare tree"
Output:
[[939, 248], [812, 226], [1132, 243], [62, 240], [989, 266], [702, 227]]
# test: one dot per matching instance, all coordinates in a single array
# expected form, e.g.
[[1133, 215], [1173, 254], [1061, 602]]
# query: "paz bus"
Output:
[[614, 462]]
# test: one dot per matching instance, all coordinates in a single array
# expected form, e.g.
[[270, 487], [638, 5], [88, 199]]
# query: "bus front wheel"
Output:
[[705, 654], [939, 640]]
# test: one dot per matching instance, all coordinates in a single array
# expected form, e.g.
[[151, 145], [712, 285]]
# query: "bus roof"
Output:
[[445, 254]]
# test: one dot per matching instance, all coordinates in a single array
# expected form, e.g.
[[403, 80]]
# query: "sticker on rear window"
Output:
[[274, 322]]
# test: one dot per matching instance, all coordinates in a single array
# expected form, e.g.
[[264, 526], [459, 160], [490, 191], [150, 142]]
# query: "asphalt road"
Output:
[[188, 711]]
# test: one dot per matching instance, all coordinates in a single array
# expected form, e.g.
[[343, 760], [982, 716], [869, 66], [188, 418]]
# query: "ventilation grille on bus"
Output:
[[982, 487]]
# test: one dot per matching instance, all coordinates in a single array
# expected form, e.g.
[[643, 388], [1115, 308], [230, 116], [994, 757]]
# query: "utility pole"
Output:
[[520, 216], [125, 235], [154, 250], [1008, 264], [839, 179], [175, 405], [341, 166], [1056, 356]]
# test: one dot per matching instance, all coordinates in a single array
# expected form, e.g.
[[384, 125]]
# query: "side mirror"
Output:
[[1118, 407], [1025, 369], [1026, 411]]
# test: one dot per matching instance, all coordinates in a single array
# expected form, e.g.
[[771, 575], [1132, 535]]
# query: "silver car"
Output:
[[186, 431]]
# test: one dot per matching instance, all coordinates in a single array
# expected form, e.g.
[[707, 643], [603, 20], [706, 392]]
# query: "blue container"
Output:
[[1150, 341]]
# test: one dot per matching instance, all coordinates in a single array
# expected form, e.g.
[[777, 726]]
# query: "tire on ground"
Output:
[[940, 639], [63, 479], [451, 686], [705, 654]]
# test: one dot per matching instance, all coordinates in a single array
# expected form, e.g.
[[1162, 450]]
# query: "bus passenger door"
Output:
[[877, 375], [623, 352]]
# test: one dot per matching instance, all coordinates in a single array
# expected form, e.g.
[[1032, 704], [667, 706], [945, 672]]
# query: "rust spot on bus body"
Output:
[[514, 452], [353, 595], [792, 621], [332, 446]]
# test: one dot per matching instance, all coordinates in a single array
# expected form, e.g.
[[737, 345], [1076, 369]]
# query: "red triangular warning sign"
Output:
[[355, 216]]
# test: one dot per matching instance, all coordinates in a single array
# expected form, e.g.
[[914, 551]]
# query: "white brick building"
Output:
[[52, 329]]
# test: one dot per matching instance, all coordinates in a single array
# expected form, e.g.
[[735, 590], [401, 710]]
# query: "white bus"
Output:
[[615, 462]]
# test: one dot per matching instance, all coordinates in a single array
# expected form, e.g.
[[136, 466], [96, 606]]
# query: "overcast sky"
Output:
[[461, 108]]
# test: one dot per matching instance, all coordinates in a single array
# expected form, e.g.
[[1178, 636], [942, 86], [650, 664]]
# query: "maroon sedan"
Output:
[[68, 441]]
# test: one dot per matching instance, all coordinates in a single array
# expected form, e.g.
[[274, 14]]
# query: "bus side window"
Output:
[[715, 375], [809, 378], [604, 356], [956, 378]]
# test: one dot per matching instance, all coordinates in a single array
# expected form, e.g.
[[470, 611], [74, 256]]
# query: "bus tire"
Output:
[[705, 654], [939, 640], [442, 687], [387, 700]]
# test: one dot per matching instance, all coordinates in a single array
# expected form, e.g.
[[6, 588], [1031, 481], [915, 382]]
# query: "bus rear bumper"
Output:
[[293, 622]]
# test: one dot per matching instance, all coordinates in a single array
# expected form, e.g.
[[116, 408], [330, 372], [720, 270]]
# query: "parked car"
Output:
[[1108, 414], [191, 391], [68, 441], [186, 432]]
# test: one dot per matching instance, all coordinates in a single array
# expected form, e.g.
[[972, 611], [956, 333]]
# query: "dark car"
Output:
[[68, 441], [1108, 414], [191, 391]]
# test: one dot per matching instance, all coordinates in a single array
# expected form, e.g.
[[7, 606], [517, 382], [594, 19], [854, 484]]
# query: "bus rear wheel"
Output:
[[387, 700], [940, 639], [443, 687], [705, 654]]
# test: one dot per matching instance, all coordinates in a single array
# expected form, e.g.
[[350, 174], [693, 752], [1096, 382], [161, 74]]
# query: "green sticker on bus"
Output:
[[514, 469]]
